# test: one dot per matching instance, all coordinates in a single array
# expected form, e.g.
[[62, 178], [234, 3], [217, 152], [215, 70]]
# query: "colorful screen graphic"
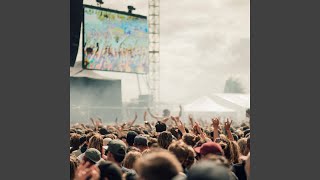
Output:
[[115, 41]]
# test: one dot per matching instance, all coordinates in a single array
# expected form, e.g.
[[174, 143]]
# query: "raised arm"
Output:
[[179, 124], [200, 132], [215, 124], [134, 120], [153, 116], [227, 126], [180, 112]]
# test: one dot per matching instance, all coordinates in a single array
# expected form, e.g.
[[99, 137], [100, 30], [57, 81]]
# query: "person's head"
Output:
[[160, 127], [164, 139], [131, 158], [235, 137], [176, 133], [74, 141], [103, 131], [209, 148], [236, 152], [73, 166], [218, 159], [96, 142], [248, 113], [153, 142], [109, 171], [227, 147], [243, 146], [166, 113], [141, 142], [208, 170], [160, 165], [88, 136], [183, 152], [92, 156], [116, 151], [130, 137], [190, 139]]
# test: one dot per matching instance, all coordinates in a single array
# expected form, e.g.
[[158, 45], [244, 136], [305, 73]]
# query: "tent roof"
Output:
[[242, 100], [205, 104]]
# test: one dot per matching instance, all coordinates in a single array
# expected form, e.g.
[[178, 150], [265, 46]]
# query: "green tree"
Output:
[[233, 86]]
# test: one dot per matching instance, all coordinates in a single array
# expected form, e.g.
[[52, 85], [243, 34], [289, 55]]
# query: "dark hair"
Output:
[[74, 142], [130, 137], [89, 135], [235, 137], [73, 166], [165, 139], [109, 170], [103, 131], [176, 133], [160, 127], [119, 157]]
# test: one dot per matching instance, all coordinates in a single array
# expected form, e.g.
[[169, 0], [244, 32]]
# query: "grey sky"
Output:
[[202, 43]]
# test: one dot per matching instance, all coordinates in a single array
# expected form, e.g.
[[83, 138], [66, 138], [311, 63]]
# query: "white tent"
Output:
[[205, 104], [238, 102], [205, 108], [242, 100]]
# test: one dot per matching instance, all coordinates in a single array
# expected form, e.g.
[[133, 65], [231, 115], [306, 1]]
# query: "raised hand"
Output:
[[215, 123], [191, 120], [85, 171], [227, 124], [180, 125]]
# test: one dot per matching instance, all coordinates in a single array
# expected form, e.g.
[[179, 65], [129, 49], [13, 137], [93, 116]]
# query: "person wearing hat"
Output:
[[116, 153], [209, 148], [141, 143], [92, 155]]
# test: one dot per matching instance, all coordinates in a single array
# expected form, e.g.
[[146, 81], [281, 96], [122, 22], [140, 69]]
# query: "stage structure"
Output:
[[154, 52]]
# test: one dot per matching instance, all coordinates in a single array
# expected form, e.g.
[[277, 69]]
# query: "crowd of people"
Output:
[[166, 149]]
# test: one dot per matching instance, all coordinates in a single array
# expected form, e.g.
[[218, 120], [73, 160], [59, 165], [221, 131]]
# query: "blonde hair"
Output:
[[242, 145], [152, 166], [131, 158], [183, 152], [96, 142]]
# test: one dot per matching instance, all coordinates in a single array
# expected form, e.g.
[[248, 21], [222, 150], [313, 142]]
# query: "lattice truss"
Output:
[[154, 51]]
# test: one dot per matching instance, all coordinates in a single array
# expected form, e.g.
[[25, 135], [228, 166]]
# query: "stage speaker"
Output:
[[76, 16]]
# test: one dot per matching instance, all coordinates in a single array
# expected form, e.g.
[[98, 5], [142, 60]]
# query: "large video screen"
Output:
[[115, 41]]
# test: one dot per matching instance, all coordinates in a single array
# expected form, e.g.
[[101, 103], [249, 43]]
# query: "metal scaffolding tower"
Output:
[[154, 51]]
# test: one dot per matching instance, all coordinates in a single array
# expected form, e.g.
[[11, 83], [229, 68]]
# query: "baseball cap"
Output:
[[209, 148], [93, 154], [117, 147], [140, 141]]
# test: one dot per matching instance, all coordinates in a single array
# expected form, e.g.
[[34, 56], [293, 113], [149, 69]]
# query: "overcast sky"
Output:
[[202, 43]]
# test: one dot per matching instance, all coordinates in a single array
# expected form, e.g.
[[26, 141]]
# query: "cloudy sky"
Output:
[[202, 43]]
